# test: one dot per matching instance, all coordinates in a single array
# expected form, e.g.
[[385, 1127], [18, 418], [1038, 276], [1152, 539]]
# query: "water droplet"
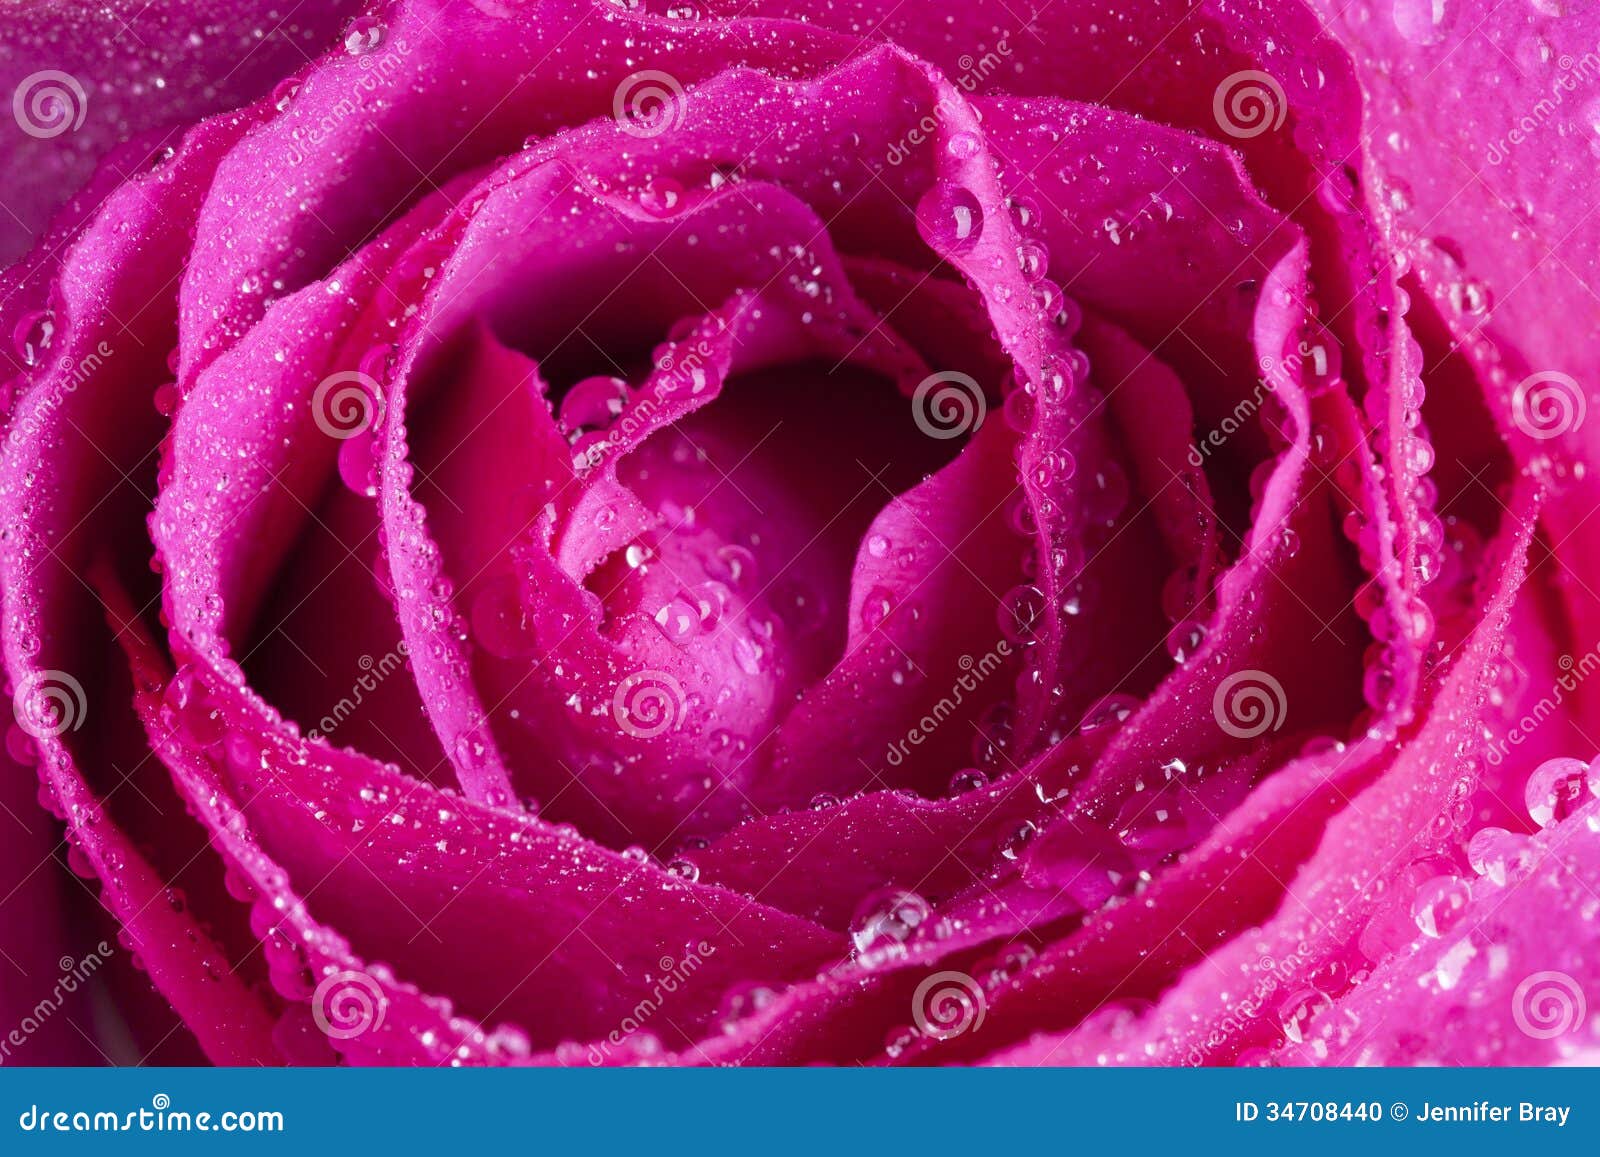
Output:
[[661, 195], [190, 709], [1423, 21], [1557, 788], [963, 145], [876, 607], [1017, 842], [969, 780], [884, 921], [679, 619], [1185, 640], [743, 999], [684, 870], [282, 95], [1296, 1013], [1440, 905], [1022, 614], [1497, 854], [32, 336], [1315, 353], [593, 403], [1033, 259], [950, 218], [358, 465], [363, 36], [1053, 467], [1471, 296], [1024, 210], [734, 565], [1112, 711]]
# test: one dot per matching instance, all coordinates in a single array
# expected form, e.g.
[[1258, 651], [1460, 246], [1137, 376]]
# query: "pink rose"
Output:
[[596, 533]]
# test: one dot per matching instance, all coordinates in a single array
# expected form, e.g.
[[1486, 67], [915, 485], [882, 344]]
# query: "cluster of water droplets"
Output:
[[1431, 900], [1313, 354], [889, 922], [1073, 489]]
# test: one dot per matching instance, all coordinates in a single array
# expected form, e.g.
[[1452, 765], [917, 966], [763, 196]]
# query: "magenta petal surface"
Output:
[[560, 532]]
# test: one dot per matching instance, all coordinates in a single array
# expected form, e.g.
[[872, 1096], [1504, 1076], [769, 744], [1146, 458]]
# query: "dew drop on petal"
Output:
[[32, 336], [884, 921], [1497, 854], [1021, 613], [684, 870], [679, 618], [1557, 788], [593, 403], [1440, 905], [950, 218], [1297, 1012]]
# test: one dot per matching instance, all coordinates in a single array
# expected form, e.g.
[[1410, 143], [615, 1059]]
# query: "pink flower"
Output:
[[596, 533]]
